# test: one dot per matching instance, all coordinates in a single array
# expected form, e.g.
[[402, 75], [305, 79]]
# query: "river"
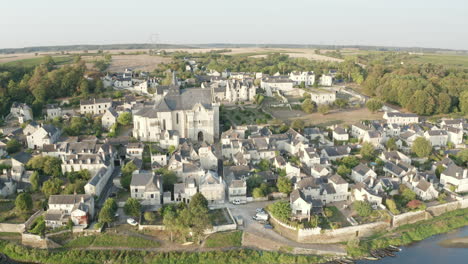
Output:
[[429, 251]]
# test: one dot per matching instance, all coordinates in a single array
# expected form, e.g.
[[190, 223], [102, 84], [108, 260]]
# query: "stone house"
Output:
[[77, 208], [146, 186]]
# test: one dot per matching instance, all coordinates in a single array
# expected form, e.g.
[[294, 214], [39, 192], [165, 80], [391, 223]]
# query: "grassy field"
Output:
[[32, 62], [226, 239], [111, 240], [449, 60]]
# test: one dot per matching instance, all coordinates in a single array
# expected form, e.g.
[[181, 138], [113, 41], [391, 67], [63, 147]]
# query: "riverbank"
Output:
[[407, 234], [460, 242]]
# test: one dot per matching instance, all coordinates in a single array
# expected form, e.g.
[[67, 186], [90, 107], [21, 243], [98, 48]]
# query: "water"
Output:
[[429, 251]]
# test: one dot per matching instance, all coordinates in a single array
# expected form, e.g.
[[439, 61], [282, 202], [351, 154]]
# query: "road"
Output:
[[252, 226], [109, 188]]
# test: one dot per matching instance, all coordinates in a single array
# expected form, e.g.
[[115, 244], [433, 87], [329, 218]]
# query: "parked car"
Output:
[[267, 226], [260, 217], [259, 210], [132, 222], [112, 195], [236, 202]]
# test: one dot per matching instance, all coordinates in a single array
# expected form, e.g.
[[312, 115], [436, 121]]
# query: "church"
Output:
[[187, 113]]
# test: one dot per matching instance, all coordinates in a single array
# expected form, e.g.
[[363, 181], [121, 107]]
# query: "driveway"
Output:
[[248, 210]]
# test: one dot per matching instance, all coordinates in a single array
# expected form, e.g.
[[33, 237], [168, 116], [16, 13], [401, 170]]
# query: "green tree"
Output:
[[350, 161], [341, 103], [126, 177], [169, 178], [343, 170], [198, 200], [13, 146], [298, 124], [406, 193], [258, 192], [422, 103], [171, 223], [308, 106], [150, 216], [281, 210], [125, 118], [38, 227], [35, 181], [463, 102], [462, 155], [23, 202], [391, 144], [363, 208], [52, 186], [367, 151], [106, 215], [284, 185], [444, 102], [323, 109], [421, 147], [171, 149], [391, 205], [132, 207], [374, 105]]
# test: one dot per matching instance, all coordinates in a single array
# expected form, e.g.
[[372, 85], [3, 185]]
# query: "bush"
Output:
[[363, 209]]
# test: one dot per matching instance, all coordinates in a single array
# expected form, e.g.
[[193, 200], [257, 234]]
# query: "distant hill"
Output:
[[217, 45]]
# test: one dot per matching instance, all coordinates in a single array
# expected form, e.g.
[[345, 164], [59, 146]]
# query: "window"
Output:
[[136, 190], [152, 196], [177, 118]]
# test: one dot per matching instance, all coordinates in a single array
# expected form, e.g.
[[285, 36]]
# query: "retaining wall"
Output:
[[11, 228], [409, 218]]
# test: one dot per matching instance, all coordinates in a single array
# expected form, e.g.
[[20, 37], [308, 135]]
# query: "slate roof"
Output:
[[68, 199], [361, 169]]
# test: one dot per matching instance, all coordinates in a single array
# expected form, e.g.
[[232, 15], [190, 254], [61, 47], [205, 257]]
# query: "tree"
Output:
[[258, 192], [367, 151], [84, 87], [126, 177], [308, 106], [343, 170], [13, 146], [24, 202], [341, 103], [374, 105], [169, 178], [421, 147], [462, 155], [444, 102], [132, 207], [350, 161], [171, 149], [125, 119], [284, 185], [298, 124], [391, 144], [281, 210], [35, 181], [391, 205], [198, 200], [38, 227], [52, 186], [363, 208], [406, 193], [463, 102], [422, 103], [414, 204], [170, 222], [323, 109], [150, 216], [106, 215]]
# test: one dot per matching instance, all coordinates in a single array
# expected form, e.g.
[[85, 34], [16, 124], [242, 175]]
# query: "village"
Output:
[[124, 161]]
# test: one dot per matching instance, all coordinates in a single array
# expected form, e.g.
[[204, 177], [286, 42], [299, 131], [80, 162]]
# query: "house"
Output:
[[239, 91], [208, 158], [373, 137], [79, 208], [360, 192], [109, 118], [146, 186], [212, 187], [53, 111], [400, 118], [183, 192], [99, 180], [326, 80], [7, 186], [318, 170], [340, 134], [423, 189], [301, 205], [308, 78], [438, 138], [320, 96], [237, 191], [361, 172], [455, 176], [95, 106], [42, 134], [394, 156], [136, 150], [455, 135], [398, 169], [272, 84], [20, 111], [334, 153]]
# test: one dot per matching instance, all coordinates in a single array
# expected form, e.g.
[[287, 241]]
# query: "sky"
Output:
[[404, 23]]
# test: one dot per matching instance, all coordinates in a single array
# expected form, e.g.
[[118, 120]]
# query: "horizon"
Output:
[[415, 24]]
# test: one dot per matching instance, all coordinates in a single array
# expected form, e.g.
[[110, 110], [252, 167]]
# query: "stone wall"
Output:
[[37, 241], [341, 234], [409, 218], [443, 208], [11, 228]]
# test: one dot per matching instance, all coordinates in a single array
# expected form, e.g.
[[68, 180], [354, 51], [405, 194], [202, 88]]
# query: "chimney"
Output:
[[465, 173]]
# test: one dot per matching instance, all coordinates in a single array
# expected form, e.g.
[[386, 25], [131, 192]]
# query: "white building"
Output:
[[400, 118], [322, 97], [238, 191], [212, 187], [21, 111], [95, 106], [308, 78], [455, 176], [62, 208], [276, 83], [190, 112], [340, 134], [146, 186], [438, 138], [326, 80], [109, 118], [40, 135]]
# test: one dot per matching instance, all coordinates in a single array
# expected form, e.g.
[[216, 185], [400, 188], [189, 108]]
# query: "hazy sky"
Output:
[[423, 23]]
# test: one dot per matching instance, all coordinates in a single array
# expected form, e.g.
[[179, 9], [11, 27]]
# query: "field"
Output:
[[108, 240], [225, 239], [141, 62], [347, 116], [33, 61], [449, 60]]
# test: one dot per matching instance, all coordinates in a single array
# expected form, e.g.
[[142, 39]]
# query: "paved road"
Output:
[[250, 225], [109, 188]]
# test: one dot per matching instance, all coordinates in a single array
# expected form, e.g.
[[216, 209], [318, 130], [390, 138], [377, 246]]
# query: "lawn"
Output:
[[9, 215], [245, 116], [111, 240], [225, 239], [450, 60], [337, 217], [220, 217]]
